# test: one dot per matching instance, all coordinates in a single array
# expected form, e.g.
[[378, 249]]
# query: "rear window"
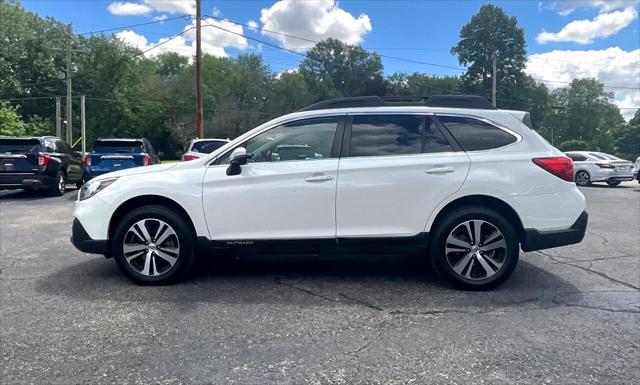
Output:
[[597, 156], [19, 146], [577, 157], [207, 146], [117, 146], [476, 135]]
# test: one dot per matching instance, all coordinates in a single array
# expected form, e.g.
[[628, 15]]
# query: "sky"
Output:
[[565, 39]]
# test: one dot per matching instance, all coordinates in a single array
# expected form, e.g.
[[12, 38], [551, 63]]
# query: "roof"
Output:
[[450, 101], [120, 139]]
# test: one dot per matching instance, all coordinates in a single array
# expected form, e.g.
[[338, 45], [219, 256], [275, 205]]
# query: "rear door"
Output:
[[19, 156], [71, 161], [395, 169]]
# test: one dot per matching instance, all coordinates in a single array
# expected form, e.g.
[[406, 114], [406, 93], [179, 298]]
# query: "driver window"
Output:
[[308, 139]]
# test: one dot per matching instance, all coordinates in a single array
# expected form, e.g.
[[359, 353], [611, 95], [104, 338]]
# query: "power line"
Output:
[[184, 17]]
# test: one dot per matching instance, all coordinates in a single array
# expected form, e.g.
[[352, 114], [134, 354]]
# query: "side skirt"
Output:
[[319, 247]]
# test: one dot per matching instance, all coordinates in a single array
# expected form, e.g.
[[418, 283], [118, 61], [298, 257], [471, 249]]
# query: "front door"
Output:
[[396, 170], [285, 192]]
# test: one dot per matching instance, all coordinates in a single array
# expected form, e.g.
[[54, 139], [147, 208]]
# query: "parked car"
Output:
[[636, 170], [201, 147], [590, 166], [40, 163], [109, 155], [449, 177]]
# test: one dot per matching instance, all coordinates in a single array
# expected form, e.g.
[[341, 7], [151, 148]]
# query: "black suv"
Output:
[[41, 163]]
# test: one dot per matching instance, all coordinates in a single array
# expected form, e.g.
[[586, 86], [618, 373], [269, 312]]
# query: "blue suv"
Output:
[[109, 155]]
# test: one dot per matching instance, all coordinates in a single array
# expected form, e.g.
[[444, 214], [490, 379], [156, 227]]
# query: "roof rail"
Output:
[[453, 101]]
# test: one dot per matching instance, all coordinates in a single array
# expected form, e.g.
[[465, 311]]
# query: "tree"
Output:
[[333, 68], [10, 122], [627, 141], [585, 111], [491, 31], [575, 145]]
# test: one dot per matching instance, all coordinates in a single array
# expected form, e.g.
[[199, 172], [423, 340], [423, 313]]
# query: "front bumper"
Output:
[[539, 240], [83, 242]]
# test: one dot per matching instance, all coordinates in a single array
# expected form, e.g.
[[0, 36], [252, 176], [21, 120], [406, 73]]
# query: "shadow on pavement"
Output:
[[390, 284]]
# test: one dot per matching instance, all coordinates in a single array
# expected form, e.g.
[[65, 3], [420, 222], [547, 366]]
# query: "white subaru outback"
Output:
[[451, 177]]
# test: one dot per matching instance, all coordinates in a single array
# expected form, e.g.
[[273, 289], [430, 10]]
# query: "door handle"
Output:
[[318, 178], [439, 170]]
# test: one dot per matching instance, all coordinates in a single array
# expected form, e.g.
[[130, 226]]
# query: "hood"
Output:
[[138, 170]]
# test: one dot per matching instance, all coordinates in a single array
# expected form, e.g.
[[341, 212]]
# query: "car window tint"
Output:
[[380, 135], [308, 139], [207, 146], [476, 135], [577, 157], [597, 156], [434, 140], [117, 146]]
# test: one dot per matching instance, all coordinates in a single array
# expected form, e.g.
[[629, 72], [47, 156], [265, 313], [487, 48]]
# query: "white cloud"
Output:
[[252, 25], [122, 9], [173, 6], [585, 31], [214, 41], [160, 18], [313, 20], [565, 8], [612, 66]]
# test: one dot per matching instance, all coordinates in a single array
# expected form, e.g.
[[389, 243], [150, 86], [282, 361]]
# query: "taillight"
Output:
[[43, 159], [87, 160], [560, 166], [605, 165], [186, 157], [147, 160]]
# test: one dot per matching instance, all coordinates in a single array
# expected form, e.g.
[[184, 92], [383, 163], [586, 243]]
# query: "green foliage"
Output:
[[332, 65], [576, 145], [584, 111], [627, 140], [10, 122], [492, 30]]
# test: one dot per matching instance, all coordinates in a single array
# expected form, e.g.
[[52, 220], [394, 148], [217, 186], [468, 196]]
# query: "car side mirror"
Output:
[[238, 158]]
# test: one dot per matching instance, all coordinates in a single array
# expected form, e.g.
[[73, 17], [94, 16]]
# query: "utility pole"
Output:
[[83, 130], [58, 118], [494, 59], [69, 101], [199, 92]]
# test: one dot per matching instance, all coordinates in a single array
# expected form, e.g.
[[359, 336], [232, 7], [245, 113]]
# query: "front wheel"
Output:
[[474, 248], [153, 245], [613, 183], [583, 178]]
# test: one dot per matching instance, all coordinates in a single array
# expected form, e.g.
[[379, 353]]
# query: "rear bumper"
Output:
[[83, 242], [26, 181], [539, 240], [624, 178]]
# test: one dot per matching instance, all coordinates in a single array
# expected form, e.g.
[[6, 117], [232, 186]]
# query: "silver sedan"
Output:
[[590, 166]]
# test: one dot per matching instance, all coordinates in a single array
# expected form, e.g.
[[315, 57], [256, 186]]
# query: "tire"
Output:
[[583, 178], [613, 183], [59, 187], [464, 268], [167, 262]]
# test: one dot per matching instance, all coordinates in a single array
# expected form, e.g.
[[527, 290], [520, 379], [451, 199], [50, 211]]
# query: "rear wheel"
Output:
[[474, 248], [583, 178], [613, 183], [59, 186], [153, 245]]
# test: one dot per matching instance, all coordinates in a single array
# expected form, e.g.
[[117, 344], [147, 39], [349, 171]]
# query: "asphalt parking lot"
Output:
[[567, 316]]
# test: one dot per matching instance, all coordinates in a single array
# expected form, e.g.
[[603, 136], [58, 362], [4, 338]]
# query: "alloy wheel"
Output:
[[476, 249], [582, 178], [61, 184], [151, 247]]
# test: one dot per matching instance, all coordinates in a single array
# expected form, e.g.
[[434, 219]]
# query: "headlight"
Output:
[[93, 187]]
